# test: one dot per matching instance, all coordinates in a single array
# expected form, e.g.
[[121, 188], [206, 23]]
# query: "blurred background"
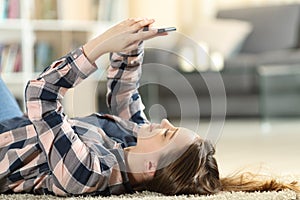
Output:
[[233, 62]]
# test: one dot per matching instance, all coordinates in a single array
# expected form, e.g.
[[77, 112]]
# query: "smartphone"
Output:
[[168, 29], [161, 30]]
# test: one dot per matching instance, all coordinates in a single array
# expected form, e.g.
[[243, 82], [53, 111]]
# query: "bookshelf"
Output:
[[35, 32]]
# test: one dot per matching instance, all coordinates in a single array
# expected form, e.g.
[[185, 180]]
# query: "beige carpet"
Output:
[[282, 195]]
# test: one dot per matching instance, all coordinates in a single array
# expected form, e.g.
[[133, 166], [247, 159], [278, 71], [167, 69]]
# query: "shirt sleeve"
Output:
[[124, 73], [76, 168]]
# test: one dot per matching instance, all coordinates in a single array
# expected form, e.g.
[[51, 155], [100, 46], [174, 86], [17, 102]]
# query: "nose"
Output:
[[166, 124]]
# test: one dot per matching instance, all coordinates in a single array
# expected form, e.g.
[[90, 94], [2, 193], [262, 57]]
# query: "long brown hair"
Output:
[[196, 172]]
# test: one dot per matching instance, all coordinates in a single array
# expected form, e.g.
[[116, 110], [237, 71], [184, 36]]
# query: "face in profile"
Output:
[[155, 140], [155, 137]]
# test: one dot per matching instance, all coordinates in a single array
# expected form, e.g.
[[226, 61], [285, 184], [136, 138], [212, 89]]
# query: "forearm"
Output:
[[124, 74], [44, 94], [93, 49]]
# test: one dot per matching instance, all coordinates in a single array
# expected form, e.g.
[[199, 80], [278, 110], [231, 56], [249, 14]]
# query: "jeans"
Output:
[[9, 107]]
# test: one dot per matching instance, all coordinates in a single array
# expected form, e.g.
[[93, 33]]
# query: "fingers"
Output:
[[136, 38], [138, 25], [145, 35], [131, 21], [132, 46], [128, 34], [136, 35]]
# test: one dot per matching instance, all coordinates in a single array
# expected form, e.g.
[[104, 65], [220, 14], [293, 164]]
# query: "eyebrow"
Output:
[[173, 133]]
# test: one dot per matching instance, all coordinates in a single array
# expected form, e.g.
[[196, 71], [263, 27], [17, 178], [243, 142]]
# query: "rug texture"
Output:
[[282, 195]]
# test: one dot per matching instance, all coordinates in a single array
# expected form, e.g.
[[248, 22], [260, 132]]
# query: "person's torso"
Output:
[[24, 166]]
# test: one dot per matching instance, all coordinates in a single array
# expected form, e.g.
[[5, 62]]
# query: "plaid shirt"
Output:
[[61, 156]]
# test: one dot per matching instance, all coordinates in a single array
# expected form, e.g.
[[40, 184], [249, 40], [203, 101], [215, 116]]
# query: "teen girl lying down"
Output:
[[45, 152]]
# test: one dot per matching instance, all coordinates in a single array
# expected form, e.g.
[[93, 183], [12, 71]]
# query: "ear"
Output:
[[150, 169]]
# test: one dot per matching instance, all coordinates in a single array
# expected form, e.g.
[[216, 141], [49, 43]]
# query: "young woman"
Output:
[[45, 152]]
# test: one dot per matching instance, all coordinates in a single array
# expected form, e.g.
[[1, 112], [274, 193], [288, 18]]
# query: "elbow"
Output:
[[32, 90]]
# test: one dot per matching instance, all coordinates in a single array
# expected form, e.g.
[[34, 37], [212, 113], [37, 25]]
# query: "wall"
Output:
[[177, 13], [184, 14], [164, 11]]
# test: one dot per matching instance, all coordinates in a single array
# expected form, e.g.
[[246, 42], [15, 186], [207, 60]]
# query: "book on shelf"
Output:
[[82, 10], [45, 9], [3, 9], [11, 58], [18, 61], [9, 9], [13, 9], [43, 53]]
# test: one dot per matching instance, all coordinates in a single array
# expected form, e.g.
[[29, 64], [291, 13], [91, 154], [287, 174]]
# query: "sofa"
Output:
[[273, 39]]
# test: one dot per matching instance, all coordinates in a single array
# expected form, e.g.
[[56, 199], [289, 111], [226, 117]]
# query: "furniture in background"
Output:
[[279, 87], [274, 40], [35, 32], [271, 38]]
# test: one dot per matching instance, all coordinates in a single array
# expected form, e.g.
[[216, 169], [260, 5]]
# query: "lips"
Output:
[[153, 126]]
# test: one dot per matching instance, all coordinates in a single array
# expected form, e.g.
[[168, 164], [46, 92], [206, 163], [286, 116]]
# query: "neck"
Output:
[[135, 179]]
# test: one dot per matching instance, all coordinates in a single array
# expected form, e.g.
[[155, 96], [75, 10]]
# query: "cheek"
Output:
[[149, 145]]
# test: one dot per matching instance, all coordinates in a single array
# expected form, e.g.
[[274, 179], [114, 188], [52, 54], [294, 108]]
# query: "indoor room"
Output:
[[228, 70]]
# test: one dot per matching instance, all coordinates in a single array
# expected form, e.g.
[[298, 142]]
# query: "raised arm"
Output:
[[123, 76], [124, 73], [76, 167]]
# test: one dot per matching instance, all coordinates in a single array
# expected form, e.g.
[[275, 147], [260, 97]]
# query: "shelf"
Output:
[[11, 24], [52, 25], [48, 38], [63, 25]]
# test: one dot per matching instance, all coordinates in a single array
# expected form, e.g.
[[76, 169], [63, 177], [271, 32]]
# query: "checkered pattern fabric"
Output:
[[61, 156]]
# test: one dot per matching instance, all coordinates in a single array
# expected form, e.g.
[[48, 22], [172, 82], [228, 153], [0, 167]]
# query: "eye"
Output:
[[165, 133]]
